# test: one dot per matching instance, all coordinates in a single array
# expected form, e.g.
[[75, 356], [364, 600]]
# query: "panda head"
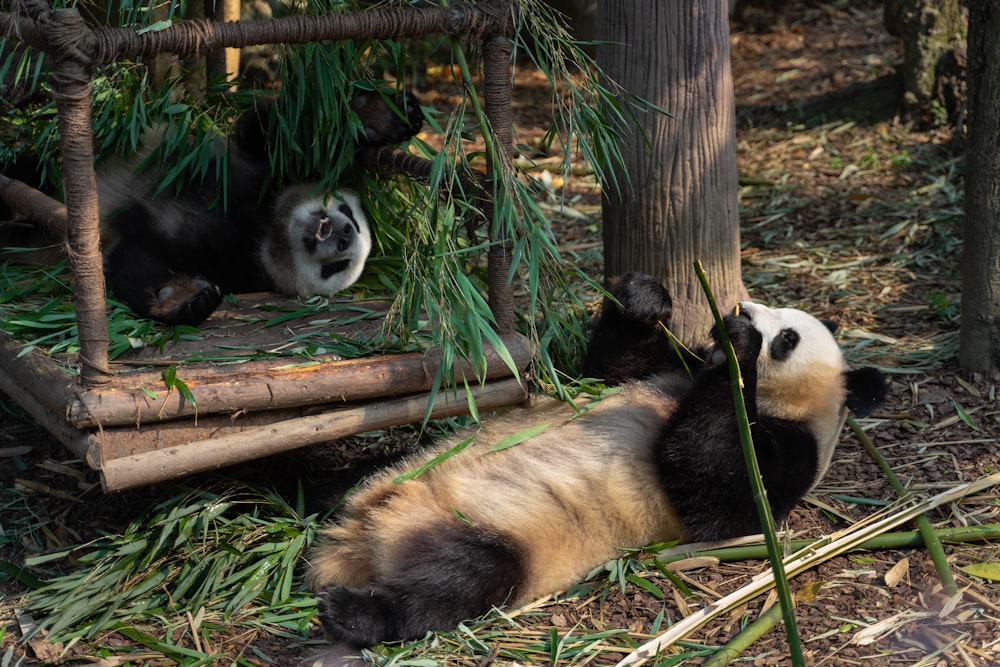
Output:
[[802, 375], [318, 242]]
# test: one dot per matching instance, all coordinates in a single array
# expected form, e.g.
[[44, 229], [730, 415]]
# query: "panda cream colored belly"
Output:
[[566, 499]]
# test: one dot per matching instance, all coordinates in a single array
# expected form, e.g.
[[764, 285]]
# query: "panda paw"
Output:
[[185, 300], [358, 617], [745, 337], [643, 299], [386, 119]]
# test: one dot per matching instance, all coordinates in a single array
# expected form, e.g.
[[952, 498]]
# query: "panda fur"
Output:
[[172, 255], [658, 461]]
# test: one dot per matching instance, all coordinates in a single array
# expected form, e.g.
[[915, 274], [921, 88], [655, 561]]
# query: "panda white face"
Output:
[[318, 243], [800, 373], [795, 343]]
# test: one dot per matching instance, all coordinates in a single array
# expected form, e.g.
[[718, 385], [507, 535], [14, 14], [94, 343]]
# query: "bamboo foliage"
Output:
[[431, 247]]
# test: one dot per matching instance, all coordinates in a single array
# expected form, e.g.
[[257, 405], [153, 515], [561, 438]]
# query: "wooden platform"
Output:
[[139, 431], [120, 416]]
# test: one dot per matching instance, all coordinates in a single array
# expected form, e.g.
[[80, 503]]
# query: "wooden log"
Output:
[[34, 205], [116, 442], [173, 462], [278, 384], [41, 389]]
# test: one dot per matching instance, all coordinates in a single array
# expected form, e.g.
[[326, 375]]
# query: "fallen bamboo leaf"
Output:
[[876, 631], [897, 573], [988, 570]]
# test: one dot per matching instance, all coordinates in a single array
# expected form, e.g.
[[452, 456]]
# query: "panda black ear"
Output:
[[866, 390], [831, 325]]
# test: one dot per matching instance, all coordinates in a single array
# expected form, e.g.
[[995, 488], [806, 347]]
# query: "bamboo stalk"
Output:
[[774, 552], [745, 638], [900, 540], [275, 384], [931, 540], [843, 542], [38, 390]]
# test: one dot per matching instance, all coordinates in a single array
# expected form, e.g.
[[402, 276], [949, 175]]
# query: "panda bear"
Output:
[[658, 461], [172, 255]]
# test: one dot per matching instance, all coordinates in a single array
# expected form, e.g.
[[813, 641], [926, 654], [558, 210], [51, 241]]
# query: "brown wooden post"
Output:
[[72, 80], [497, 101]]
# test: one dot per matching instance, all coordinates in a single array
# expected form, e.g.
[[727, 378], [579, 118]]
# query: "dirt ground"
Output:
[[848, 212]]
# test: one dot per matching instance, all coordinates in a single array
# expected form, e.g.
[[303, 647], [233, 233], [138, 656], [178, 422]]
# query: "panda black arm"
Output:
[[701, 458], [628, 341]]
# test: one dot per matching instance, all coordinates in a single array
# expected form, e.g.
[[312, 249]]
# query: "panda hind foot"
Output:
[[356, 616], [185, 300]]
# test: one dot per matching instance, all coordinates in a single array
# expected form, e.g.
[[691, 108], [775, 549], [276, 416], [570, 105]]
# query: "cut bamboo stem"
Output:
[[900, 540], [846, 541], [785, 600], [931, 541], [745, 638]]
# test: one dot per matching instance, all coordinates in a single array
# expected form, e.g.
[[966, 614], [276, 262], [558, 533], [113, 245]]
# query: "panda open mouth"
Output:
[[324, 229]]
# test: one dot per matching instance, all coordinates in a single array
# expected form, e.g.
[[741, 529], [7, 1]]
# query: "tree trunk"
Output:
[[979, 344], [929, 29], [678, 202]]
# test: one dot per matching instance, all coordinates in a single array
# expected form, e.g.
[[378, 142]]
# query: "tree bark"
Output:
[[681, 203], [979, 342], [929, 29]]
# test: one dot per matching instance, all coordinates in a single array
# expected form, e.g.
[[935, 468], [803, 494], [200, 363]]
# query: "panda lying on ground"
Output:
[[659, 461], [171, 256]]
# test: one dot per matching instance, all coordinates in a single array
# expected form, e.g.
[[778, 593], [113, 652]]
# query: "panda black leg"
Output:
[[185, 300], [150, 288], [388, 118], [627, 341], [448, 574], [358, 616]]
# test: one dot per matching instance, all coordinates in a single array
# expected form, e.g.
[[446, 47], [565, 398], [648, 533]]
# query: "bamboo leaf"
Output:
[[964, 416], [443, 456], [520, 436], [987, 570]]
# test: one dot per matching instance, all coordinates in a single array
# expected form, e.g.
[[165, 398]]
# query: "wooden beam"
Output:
[[276, 384], [42, 389], [173, 462]]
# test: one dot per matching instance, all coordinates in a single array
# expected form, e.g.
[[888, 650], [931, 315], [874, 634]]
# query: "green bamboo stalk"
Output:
[[745, 638], [930, 538], [898, 540], [839, 543], [774, 552]]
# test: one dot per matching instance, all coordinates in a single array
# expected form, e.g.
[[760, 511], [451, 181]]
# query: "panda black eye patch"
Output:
[[349, 214], [783, 344]]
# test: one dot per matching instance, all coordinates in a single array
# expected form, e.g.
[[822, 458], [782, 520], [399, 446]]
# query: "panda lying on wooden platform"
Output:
[[659, 461], [172, 256]]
